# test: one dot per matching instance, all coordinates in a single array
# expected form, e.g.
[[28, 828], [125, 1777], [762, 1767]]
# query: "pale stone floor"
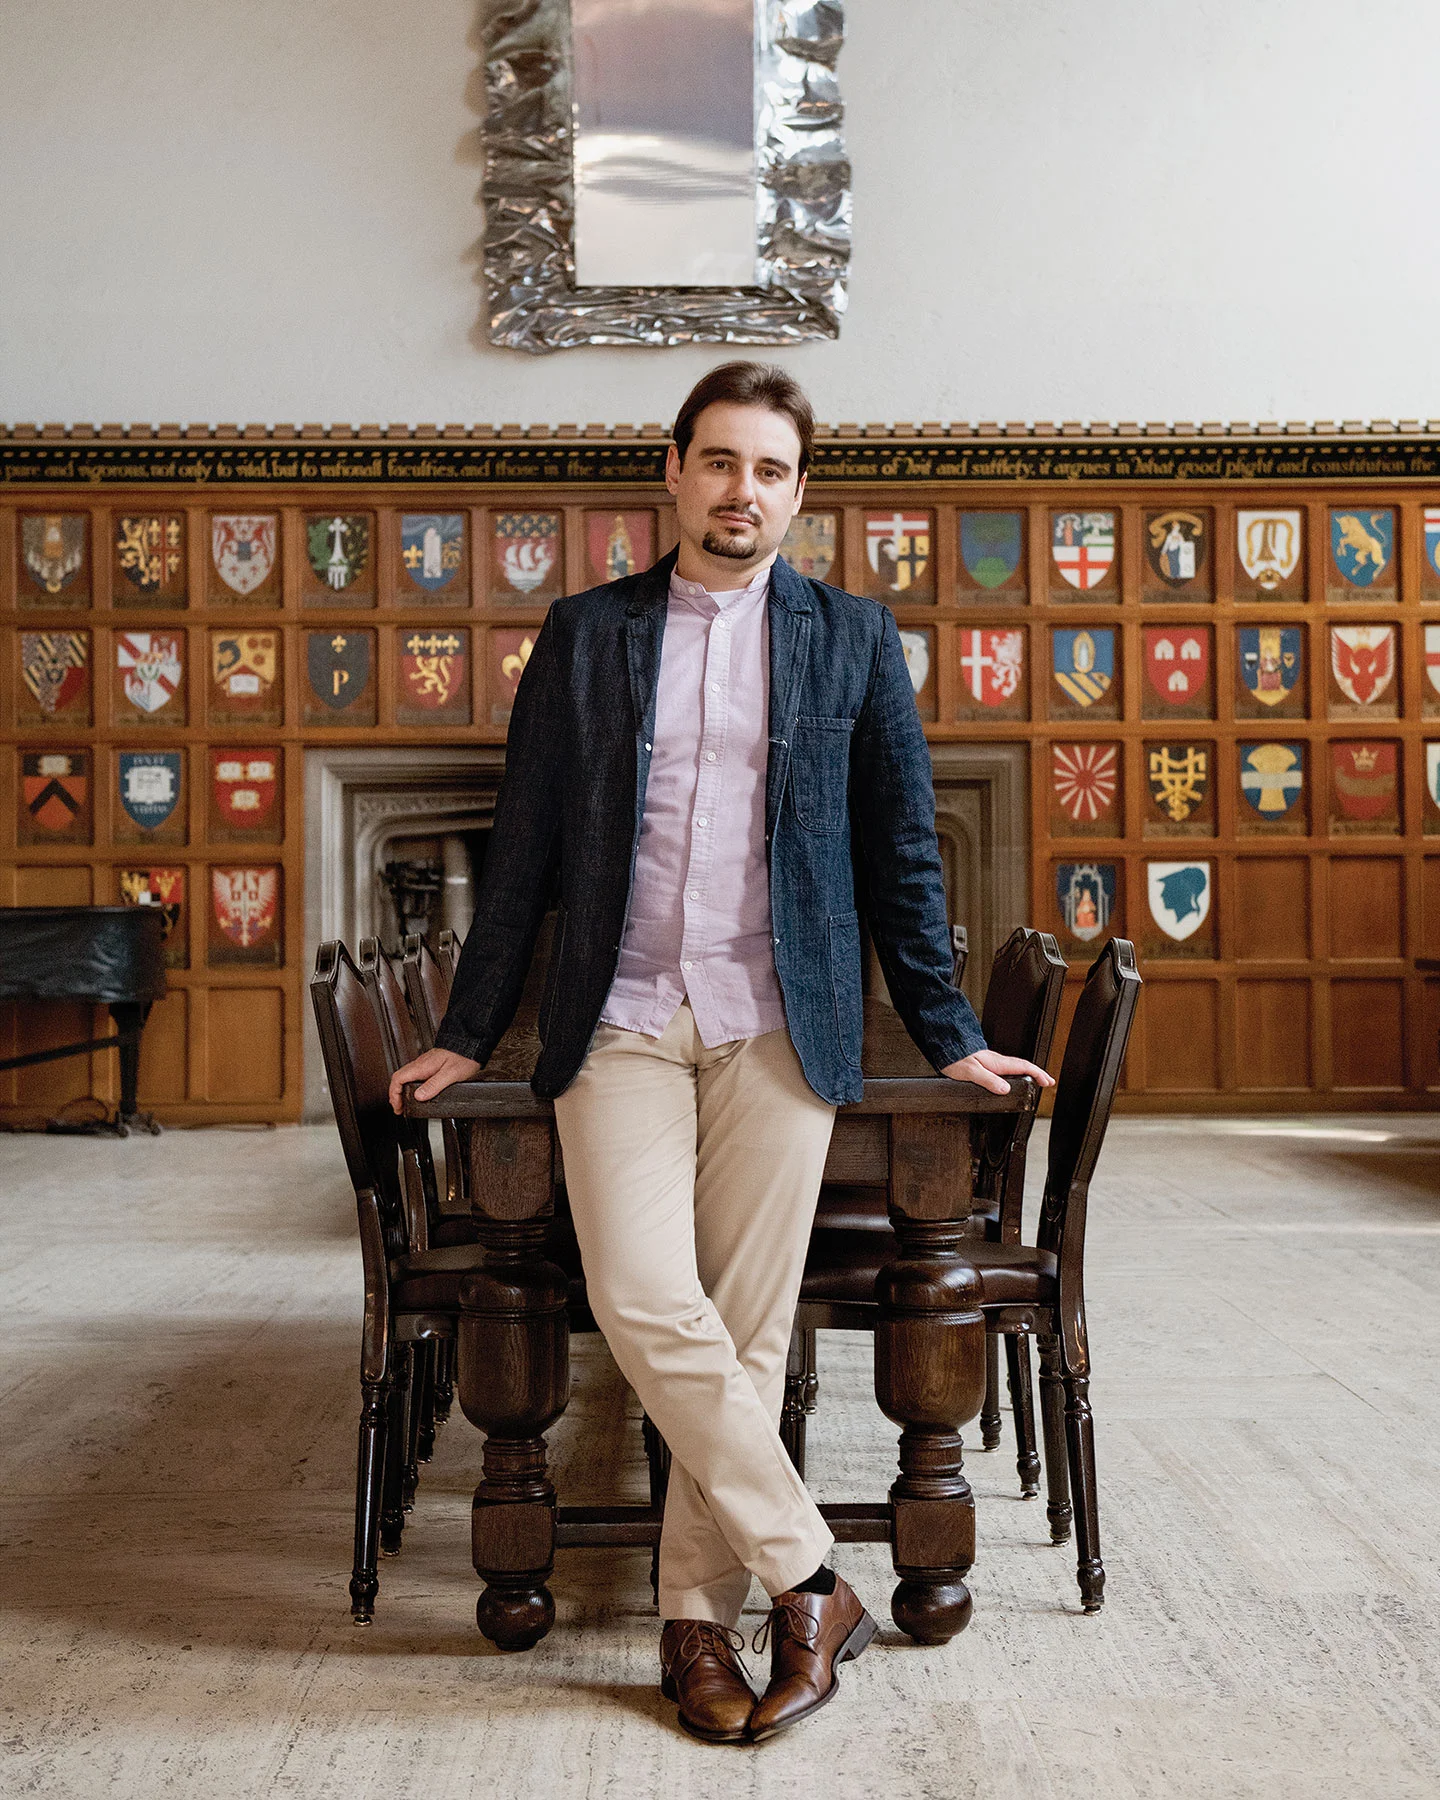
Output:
[[177, 1413]]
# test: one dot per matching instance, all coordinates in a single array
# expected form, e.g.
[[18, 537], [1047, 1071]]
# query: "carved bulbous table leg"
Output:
[[514, 1382]]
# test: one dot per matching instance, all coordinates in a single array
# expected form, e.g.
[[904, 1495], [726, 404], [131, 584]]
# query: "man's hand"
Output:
[[989, 1069], [438, 1070]]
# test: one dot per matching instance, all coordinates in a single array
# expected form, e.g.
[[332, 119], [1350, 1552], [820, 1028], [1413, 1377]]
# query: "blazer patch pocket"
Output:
[[820, 772]]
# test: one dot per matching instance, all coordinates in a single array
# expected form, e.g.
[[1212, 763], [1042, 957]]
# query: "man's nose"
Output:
[[744, 489]]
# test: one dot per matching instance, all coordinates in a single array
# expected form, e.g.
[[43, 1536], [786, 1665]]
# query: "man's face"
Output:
[[739, 486]]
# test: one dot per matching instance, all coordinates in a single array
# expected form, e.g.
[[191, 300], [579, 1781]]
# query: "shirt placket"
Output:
[[704, 825]]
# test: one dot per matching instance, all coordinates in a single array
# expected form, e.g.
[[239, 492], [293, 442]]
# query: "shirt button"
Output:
[[702, 820], [649, 746], [694, 893], [709, 756], [687, 965]]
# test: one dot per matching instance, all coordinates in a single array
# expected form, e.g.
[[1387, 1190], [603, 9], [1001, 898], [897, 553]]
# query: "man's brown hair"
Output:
[[748, 384]]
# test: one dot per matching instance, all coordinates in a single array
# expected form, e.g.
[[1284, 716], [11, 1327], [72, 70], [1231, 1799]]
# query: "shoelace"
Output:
[[703, 1637], [798, 1622]]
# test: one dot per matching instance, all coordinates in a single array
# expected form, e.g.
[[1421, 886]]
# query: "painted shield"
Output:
[[1269, 545], [1084, 662], [338, 665], [1083, 545], [1177, 662], [1363, 775], [898, 548], [622, 543], [916, 645], [244, 783], [55, 785], [432, 547], [1085, 777], [1432, 538], [52, 666], [245, 903], [149, 786], [1179, 776], [1362, 658], [242, 663], [1432, 656], [1432, 772], [1270, 660], [1085, 893], [1175, 547], [53, 548], [162, 888], [150, 550], [527, 547], [1362, 544], [151, 666], [432, 666], [1179, 897], [1272, 777], [243, 546], [990, 545], [338, 545], [809, 545], [514, 648], [991, 664]]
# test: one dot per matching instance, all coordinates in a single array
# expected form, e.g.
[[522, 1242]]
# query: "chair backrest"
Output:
[[960, 950], [1084, 1096], [1022, 1004], [357, 1068], [388, 992], [447, 954], [427, 987]]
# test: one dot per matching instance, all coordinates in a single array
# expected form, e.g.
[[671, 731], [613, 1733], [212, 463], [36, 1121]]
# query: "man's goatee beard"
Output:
[[732, 545]]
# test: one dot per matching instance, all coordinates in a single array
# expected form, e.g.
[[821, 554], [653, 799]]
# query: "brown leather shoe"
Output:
[[699, 1668], [809, 1635]]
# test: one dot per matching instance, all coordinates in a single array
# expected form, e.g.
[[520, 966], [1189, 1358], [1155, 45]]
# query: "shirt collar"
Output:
[[697, 595]]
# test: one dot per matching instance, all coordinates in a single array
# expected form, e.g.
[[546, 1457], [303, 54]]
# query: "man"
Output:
[[695, 749]]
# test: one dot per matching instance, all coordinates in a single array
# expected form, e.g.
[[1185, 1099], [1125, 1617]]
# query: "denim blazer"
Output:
[[848, 772]]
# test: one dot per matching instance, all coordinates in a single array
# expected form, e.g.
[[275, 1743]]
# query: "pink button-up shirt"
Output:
[[699, 920]]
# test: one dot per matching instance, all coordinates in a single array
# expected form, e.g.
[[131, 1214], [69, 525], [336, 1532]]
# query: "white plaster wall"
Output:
[[1182, 209]]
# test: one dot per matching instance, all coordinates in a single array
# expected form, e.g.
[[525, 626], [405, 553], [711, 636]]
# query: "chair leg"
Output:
[[990, 1411], [1052, 1415], [369, 1477], [414, 1413], [810, 1395], [444, 1378], [792, 1413], [392, 1509], [657, 1458], [1022, 1405], [425, 1353], [1080, 1440]]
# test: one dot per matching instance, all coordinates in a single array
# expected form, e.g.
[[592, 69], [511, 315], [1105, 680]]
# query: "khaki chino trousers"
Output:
[[693, 1176]]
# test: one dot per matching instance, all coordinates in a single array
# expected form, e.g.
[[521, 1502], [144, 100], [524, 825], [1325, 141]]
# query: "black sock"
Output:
[[821, 1582]]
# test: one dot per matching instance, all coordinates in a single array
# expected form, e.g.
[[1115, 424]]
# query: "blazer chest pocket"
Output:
[[820, 772]]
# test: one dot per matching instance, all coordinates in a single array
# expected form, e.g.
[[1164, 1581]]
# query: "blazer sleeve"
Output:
[[893, 805], [519, 863]]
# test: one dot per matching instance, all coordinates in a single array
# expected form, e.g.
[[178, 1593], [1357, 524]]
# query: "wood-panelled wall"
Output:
[[123, 630]]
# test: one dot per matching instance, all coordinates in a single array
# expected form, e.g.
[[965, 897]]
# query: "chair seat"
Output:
[[842, 1267], [429, 1281], [451, 1229], [851, 1209]]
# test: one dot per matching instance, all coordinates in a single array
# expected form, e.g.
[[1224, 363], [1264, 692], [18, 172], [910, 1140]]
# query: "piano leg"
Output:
[[130, 1017]]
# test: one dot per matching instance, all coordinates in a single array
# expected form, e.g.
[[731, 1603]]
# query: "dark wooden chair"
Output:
[[428, 975], [412, 1292], [1022, 1005], [1028, 1288]]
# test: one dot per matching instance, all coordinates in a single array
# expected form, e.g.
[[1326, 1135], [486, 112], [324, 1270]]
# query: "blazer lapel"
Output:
[[644, 634], [790, 611]]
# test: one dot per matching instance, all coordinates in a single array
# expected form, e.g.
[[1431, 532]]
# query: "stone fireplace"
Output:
[[422, 815]]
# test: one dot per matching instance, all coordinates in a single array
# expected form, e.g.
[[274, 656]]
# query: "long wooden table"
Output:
[[910, 1134]]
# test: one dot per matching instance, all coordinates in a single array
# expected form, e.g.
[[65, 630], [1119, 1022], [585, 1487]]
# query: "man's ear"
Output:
[[799, 496], [672, 468]]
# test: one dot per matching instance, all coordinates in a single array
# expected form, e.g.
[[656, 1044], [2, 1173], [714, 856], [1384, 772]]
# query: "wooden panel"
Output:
[[1367, 907], [1181, 1036], [1429, 906], [1272, 908], [246, 1048], [162, 1051], [1367, 1033], [1272, 1034], [42, 1090], [61, 884]]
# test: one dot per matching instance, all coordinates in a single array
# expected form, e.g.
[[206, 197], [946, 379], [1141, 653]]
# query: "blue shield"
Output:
[[990, 546], [432, 547], [1085, 894], [1084, 662], [1270, 660], [1432, 538], [1362, 543], [1272, 777], [149, 786]]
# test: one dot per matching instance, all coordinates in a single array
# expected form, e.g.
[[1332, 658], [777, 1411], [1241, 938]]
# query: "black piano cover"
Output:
[[107, 953]]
